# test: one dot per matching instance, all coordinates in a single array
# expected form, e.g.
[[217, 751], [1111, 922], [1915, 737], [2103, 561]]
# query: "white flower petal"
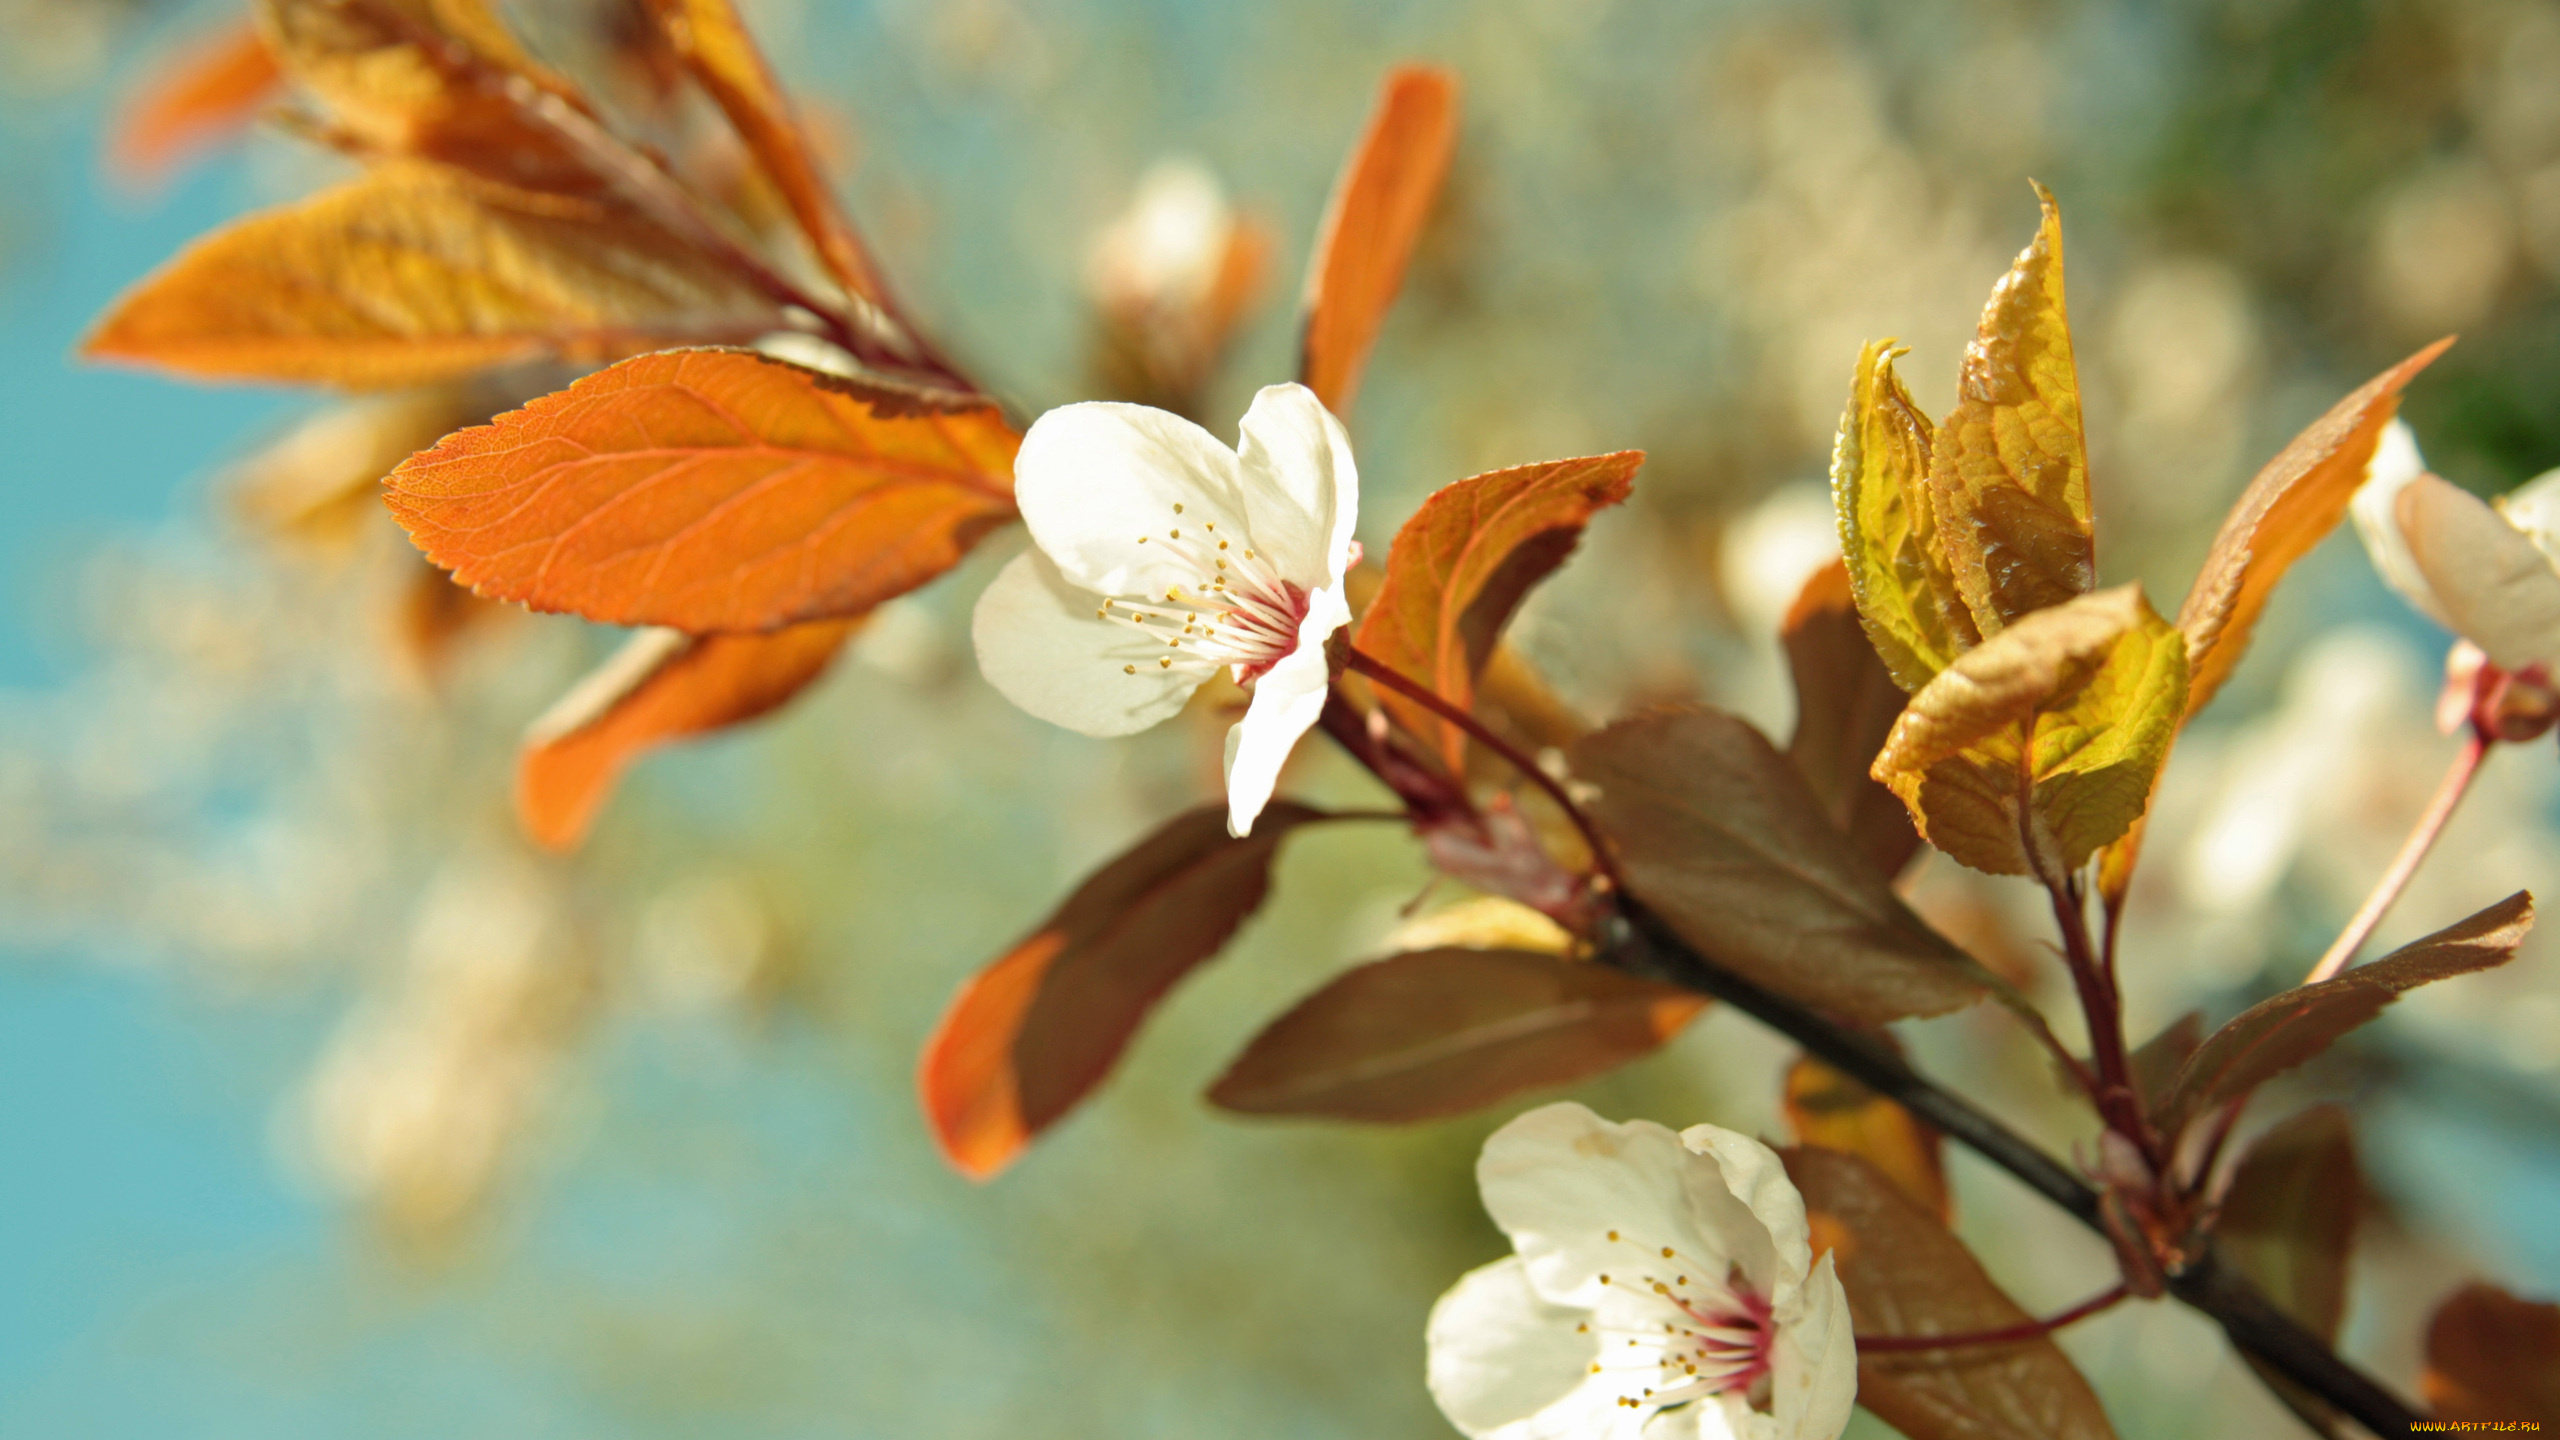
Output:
[[1754, 1175], [1559, 1179], [2396, 463], [1506, 1365], [1301, 490], [1041, 646], [2497, 589], [1092, 478], [1287, 701], [1814, 1363]]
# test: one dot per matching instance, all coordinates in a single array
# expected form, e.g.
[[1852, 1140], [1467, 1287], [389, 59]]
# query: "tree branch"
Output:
[[1645, 946]]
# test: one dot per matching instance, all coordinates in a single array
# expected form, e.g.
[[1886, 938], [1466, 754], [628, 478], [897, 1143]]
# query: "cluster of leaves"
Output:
[[1960, 678]]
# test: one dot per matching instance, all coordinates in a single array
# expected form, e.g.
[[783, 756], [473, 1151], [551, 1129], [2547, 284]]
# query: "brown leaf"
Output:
[[1907, 1276], [1718, 834], [662, 686], [1370, 226], [1442, 1032], [2296, 499], [710, 490], [1827, 1108], [1463, 564], [1032, 1034], [2155, 1062], [416, 273], [2288, 1220], [2010, 472], [2276, 1035], [2492, 1357], [1846, 703], [202, 94], [715, 45], [433, 79], [2040, 744]]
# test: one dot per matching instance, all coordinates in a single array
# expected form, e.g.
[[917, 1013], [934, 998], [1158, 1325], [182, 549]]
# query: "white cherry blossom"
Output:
[[1663, 1289], [1161, 557], [2484, 570]]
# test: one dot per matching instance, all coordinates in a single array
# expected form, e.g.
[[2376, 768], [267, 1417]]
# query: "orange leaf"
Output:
[[1032, 1034], [434, 79], [415, 273], [1442, 1032], [1464, 562], [196, 98], [1371, 224], [2495, 1358], [716, 46], [661, 686], [2297, 499], [1827, 1108], [710, 490]]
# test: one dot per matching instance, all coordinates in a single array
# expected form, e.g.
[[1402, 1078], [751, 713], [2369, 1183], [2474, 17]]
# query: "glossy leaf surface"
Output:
[[2040, 745], [710, 490], [1897, 569], [2009, 468]]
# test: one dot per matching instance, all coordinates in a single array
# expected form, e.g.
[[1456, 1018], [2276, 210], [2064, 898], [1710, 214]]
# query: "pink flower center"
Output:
[[1691, 1334], [1239, 615]]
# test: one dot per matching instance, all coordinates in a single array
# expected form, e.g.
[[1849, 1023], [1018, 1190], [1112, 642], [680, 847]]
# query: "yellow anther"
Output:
[[1222, 564], [1221, 544], [1612, 1235], [1177, 507], [1142, 539], [1666, 1252], [1164, 664], [1128, 669], [1173, 534]]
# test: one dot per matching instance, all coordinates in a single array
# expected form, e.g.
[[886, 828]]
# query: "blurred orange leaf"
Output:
[[1465, 561], [1827, 1108], [433, 614], [1846, 703], [1442, 1032], [1371, 225], [710, 490], [201, 95], [436, 79], [716, 46], [2298, 498], [1032, 1034], [2493, 1357], [2009, 470], [662, 686], [1907, 1276], [414, 273]]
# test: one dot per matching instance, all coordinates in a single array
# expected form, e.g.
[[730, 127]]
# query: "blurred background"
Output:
[[333, 1107]]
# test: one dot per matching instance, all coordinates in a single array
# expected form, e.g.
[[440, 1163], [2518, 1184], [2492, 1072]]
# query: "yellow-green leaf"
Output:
[[2009, 469], [2039, 746], [1907, 597]]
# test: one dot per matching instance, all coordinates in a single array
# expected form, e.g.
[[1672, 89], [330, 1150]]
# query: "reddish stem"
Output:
[[2010, 1335], [1379, 671], [2413, 851]]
